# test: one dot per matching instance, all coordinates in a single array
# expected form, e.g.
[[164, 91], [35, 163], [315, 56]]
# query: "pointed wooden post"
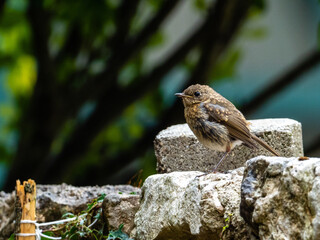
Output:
[[26, 208]]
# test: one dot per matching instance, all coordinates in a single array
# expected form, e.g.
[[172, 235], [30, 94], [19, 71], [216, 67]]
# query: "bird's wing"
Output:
[[232, 120]]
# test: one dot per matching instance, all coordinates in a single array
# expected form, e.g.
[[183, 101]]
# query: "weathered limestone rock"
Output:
[[177, 149], [7, 215], [121, 209], [179, 205], [280, 197], [55, 200]]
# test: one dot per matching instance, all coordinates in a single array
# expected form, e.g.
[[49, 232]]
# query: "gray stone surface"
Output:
[[7, 215], [180, 206], [121, 209], [177, 149], [280, 197], [55, 200]]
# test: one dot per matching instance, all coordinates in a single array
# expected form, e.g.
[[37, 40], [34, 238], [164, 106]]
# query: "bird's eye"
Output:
[[197, 94]]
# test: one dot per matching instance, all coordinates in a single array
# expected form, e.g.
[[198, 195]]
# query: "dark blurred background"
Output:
[[86, 85]]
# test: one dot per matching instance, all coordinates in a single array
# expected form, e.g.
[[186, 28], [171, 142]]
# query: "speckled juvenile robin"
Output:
[[216, 122]]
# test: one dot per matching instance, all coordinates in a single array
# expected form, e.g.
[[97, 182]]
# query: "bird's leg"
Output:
[[223, 157], [228, 149]]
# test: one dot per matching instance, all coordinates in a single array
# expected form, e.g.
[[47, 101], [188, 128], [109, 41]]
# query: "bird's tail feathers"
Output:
[[265, 145]]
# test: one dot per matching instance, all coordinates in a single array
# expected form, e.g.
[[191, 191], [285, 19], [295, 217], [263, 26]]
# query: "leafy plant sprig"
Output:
[[227, 225], [86, 225]]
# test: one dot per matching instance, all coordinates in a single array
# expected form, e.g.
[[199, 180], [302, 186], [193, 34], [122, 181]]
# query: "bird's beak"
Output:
[[181, 95]]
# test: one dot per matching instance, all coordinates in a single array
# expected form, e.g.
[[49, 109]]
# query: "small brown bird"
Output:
[[216, 122]]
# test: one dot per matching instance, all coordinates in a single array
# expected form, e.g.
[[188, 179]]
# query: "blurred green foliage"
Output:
[[66, 55], [18, 68]]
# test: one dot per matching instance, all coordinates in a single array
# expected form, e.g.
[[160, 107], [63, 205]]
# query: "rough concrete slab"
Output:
[[177, 149]]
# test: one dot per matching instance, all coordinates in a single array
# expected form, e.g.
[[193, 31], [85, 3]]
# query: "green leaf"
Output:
[[256, 10], [47, 234], [90, 206], [260, 4], [74, 236], [255, 33], [118, 234], [200, 4], [68, 215], [101, 198], [12, 237], [97, 216], [226, 67], [73, 230], [156, 39], [22, 76]]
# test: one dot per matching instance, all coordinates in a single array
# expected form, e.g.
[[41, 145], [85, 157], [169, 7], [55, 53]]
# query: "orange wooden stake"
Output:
[[26, 207]]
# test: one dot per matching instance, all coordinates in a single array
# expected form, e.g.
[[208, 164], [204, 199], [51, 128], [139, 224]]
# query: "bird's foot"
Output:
[[205, 174], [201, 175]]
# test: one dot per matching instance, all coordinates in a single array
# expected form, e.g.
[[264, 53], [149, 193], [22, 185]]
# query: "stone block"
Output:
[[177, 149], [121, 202], [180, 205], [280, 197]]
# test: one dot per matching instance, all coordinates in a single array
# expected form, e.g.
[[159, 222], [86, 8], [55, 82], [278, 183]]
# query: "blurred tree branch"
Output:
[[121, 54], [40, 118], [57, 100], [282, 82], [96, 87], [126, 11], [219, 30], [107, 111]]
